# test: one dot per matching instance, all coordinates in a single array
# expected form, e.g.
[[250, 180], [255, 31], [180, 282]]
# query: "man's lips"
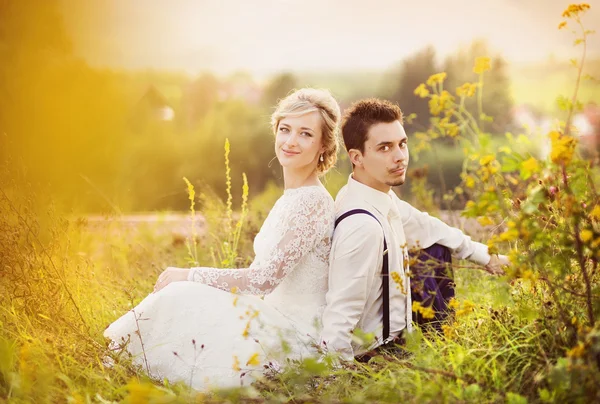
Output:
[[400, 170]]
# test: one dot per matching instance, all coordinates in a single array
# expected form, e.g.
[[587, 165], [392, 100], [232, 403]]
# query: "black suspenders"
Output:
[[384, 271]]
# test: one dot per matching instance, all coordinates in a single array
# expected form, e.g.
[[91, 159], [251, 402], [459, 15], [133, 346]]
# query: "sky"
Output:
[[267, 36]]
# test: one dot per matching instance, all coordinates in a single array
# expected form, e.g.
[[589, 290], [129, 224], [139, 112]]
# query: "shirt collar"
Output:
[[381, 201]]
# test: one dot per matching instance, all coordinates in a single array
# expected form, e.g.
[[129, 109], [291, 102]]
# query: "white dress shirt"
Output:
[[354, 297]]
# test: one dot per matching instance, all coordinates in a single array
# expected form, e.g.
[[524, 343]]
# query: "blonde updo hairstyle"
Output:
[[307, 100]]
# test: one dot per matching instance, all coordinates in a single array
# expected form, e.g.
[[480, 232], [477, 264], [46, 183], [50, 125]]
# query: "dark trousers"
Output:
[[432, 284]]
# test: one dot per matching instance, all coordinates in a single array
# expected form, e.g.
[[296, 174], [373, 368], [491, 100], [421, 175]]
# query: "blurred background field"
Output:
[[109, 104]]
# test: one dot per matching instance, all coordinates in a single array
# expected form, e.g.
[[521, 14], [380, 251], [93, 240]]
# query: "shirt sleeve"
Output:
[[356, 249], [423, 230], [307, 223]]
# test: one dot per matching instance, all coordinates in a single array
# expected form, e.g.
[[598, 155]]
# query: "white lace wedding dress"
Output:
[[201, 333]]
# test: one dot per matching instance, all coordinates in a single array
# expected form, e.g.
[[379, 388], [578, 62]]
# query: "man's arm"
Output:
[[423, 230], [357, 246]]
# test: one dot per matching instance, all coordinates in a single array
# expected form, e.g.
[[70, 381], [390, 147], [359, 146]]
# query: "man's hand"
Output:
[[496, 263], [171, 274]]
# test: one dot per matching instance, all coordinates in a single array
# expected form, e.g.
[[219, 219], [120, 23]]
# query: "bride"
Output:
[[209, 327]]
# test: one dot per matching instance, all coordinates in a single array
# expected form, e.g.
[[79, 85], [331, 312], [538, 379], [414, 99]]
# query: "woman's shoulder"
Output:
[[310, 196], [317, 193]]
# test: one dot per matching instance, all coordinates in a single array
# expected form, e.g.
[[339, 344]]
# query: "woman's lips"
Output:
[[289, 153]]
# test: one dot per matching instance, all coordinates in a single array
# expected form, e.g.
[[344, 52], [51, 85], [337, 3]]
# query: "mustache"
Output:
[[391, 170]]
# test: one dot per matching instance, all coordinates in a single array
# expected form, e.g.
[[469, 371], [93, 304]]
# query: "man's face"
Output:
[[385, 158]]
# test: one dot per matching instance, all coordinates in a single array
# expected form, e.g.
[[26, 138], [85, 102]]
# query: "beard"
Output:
[[396, 182]]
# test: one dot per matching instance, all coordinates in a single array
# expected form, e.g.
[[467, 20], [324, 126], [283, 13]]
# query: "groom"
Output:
[[369, 285]]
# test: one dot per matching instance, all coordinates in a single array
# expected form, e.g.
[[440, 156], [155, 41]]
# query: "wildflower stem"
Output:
[[480, 101], [584, 272], [578, 80]]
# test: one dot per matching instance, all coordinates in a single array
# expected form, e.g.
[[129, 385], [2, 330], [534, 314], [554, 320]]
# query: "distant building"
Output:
[[535, 125], [155, 106], [586, 126]]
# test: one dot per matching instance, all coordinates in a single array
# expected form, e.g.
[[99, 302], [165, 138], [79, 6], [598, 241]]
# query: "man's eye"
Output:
[[403, 145], [385, 148]]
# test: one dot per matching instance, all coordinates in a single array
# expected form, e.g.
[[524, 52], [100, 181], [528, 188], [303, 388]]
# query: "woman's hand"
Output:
[[496, 263], [171, 274]]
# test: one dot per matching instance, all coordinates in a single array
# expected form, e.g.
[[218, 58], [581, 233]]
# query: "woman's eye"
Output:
[[284, 130], [307, 134]]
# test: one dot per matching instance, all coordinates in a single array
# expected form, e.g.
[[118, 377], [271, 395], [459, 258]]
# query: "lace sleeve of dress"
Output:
[[309, 217]]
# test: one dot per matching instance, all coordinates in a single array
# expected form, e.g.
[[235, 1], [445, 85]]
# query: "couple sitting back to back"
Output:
[[211, 328]]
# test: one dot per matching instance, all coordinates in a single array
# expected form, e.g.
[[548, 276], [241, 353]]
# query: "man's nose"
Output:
[[399, 154]]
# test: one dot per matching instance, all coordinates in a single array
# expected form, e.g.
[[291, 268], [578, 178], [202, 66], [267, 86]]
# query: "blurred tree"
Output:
[[199, 98], [32, 36], [497, 100], [61, 119], [413, 71], [278, 88]]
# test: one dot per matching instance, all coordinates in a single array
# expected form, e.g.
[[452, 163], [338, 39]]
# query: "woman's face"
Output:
[[298, 141]]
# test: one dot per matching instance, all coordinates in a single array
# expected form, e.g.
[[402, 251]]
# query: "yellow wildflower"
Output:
[[586, 235], [531, 164], [528, 274], [509, 235], [595, 213], [398, 280], [482, 64], [191, 191], [575, 9], [427, 312], [236, 364], [487, 159], [253, 361], [577, 351], [446, 98], [453, 303], [441, 102], [246, 332], [562, 25], [485, 221], [469, 182], [563, 147], [422, 91], [450, 128], [436, 78], [466, 90], [434, 105], [448, 331]]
